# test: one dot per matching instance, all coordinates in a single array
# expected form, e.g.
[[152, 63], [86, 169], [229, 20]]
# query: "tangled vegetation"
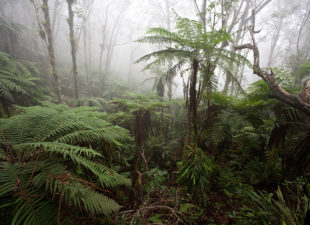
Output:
[[102, 152]]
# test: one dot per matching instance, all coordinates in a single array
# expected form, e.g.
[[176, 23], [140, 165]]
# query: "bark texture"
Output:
[[193, 98], [301, 101], [50, 48], [73, 48]]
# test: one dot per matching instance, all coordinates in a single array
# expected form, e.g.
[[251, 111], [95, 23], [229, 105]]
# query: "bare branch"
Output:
[[301, 102], [243, 46]]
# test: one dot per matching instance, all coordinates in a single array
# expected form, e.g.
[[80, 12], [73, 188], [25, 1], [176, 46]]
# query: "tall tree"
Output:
[[114, 33], [202, 11], [274, 40], [50, 47], [84, 30], [73, 48], [103, 46], [85, 36], [234, 16]]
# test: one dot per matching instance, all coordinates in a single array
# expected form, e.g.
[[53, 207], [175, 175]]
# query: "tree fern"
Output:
[[10, 33], [42, 152], [17, 81], [225, 126]]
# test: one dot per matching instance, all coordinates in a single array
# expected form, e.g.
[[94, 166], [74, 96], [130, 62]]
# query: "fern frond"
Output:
[[161, 36], [41, 147], [169, 53]]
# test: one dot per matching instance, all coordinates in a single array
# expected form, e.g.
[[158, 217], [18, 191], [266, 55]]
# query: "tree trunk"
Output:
[[202, 12], [241, 24], [102, 47], [160, 88], [50, 48], [85, 60], [141, 129], [130, 67], [193, 98], [100, 71], [227, 82], [90, 55], [55, 19], [73, 48], [274, 42], [301, 102]]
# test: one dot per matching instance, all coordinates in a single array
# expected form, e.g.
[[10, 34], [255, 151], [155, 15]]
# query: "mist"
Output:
[[106, 32], [139, 112]]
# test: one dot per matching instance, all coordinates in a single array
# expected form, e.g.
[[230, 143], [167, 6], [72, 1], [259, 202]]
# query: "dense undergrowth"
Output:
[[120, 157], [126, 155]]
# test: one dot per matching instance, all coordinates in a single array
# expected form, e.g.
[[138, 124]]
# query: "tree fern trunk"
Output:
[[193, 98], [139, 134], [227, 82]]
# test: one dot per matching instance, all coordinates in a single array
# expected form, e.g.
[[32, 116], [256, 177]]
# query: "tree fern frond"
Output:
[[173, 70], [161, 35], [16, 81], [42, 170], [232, 57], [4, 57], [13, 87], [66, 126], [169, 53], [52, 148], [86, 199], [5, 93], [35, 211]]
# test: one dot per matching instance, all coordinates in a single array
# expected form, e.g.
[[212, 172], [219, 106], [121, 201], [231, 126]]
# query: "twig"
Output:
[[59, 209], [298, 102], [145, 161], [33, 170], [156, 207]]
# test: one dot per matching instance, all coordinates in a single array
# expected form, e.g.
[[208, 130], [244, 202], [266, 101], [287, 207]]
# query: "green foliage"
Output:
[[135, 102], [10, 33], [90, 102], [17, 81], [284, 77], [49, 163], [58, 164], [190, 42], [225, 126], [190, 211], [196, 171], [285, 207], [222, 100], [303, 71], [156, 179]]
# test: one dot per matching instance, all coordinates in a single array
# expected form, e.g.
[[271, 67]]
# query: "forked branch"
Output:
[[301, 101]]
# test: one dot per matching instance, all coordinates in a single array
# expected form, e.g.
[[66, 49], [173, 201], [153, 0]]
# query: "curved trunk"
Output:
[[301, 101]]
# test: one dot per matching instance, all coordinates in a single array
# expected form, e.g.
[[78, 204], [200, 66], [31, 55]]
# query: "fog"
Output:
[[106, 31], [140, 112]]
